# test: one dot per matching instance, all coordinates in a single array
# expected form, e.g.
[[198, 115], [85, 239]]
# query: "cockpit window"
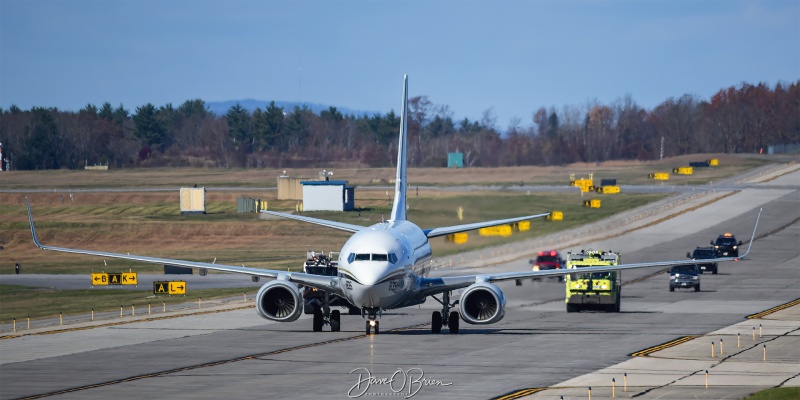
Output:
[[392, 258]]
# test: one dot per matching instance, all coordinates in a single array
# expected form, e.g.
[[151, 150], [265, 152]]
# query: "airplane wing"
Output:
[[342, 226], [435, 232], [317, 281], [431, 286]]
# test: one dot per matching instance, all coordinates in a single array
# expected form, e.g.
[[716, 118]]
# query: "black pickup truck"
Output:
[[726, 245], [704, 253]]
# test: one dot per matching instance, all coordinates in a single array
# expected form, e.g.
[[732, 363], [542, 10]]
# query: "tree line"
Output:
[[740, 119]]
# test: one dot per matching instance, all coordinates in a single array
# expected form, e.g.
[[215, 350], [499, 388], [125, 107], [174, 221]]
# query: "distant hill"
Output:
[[222, 107]]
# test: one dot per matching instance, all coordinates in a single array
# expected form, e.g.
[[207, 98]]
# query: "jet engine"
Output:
[[279, 300], [482, 303]]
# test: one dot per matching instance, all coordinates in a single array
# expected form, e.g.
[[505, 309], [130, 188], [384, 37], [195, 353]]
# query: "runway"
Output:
[[236, 354]]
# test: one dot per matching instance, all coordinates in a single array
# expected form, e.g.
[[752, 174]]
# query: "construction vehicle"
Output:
[[593, 291], [319, 263], [586, 185]]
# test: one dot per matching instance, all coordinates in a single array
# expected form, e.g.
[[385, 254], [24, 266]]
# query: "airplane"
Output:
[[383, 267]]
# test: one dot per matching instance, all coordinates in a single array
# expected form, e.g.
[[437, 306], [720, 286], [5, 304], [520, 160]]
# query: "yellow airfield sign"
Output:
[[122, 278], [100, 279], [129, 278], [175, 287], [115, 279]]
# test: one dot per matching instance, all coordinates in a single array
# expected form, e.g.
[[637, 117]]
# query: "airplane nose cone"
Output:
[[372, 273], [368, 293]]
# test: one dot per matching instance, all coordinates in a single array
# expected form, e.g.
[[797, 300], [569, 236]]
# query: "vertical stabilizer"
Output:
[[399, 207]]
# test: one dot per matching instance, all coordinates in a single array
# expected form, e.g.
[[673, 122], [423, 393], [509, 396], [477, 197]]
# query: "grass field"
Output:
[[784, 393], [21, 301], [150, 223], [627, 172]]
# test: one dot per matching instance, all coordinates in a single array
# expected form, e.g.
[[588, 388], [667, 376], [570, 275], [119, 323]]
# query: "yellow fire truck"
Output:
[[596, 291]]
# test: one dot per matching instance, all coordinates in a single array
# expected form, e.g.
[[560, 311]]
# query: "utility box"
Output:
[[246, 204], [556, 216], [713, 162], [193, 200], [328, 196], [455, 160]]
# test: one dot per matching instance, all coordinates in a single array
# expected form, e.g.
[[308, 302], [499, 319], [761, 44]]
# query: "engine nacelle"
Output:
[[279, 300], [482, 303]]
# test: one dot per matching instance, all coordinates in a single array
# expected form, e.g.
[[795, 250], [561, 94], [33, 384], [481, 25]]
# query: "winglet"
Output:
[[33, 229], [399, 206], [753, 236]]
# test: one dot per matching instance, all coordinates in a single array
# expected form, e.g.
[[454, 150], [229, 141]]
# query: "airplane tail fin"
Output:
[[399, 206]]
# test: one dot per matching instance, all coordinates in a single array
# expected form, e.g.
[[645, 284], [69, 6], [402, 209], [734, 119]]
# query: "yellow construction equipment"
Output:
[[682, 171], [458, 238], [556, 216], [584, 184], [608, 189], [499, 230], [521, 226], [659, 176], [593, 203]]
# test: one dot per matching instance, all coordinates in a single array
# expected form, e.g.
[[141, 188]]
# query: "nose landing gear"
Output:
[[372, 322]]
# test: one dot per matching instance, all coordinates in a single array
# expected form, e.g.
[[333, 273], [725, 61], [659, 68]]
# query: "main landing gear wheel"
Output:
[[335, 321], [445, 317], [452, 322], [436, 322], [319, 320]]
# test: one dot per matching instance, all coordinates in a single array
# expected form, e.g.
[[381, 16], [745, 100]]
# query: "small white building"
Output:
[[328, 196]]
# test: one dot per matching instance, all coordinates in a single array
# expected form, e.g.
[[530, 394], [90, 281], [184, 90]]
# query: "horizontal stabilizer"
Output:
[[342, 226], [436, 232]]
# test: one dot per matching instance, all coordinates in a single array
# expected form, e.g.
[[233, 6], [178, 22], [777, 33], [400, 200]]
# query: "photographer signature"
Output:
[[402, 382]]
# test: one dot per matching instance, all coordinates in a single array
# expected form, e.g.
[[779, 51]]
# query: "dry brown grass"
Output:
[[632, 172], [150, 223]]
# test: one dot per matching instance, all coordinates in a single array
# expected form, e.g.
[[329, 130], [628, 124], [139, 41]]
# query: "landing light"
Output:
[[372, 322]]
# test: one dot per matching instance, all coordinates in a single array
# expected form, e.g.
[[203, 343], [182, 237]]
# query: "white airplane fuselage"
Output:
[[379, 266]]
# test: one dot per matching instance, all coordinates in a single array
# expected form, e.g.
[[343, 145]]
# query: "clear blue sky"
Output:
[[510, 56]]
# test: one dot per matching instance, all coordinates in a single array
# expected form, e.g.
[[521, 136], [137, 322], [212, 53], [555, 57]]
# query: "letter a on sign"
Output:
[[160, 288], [115, 279]]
